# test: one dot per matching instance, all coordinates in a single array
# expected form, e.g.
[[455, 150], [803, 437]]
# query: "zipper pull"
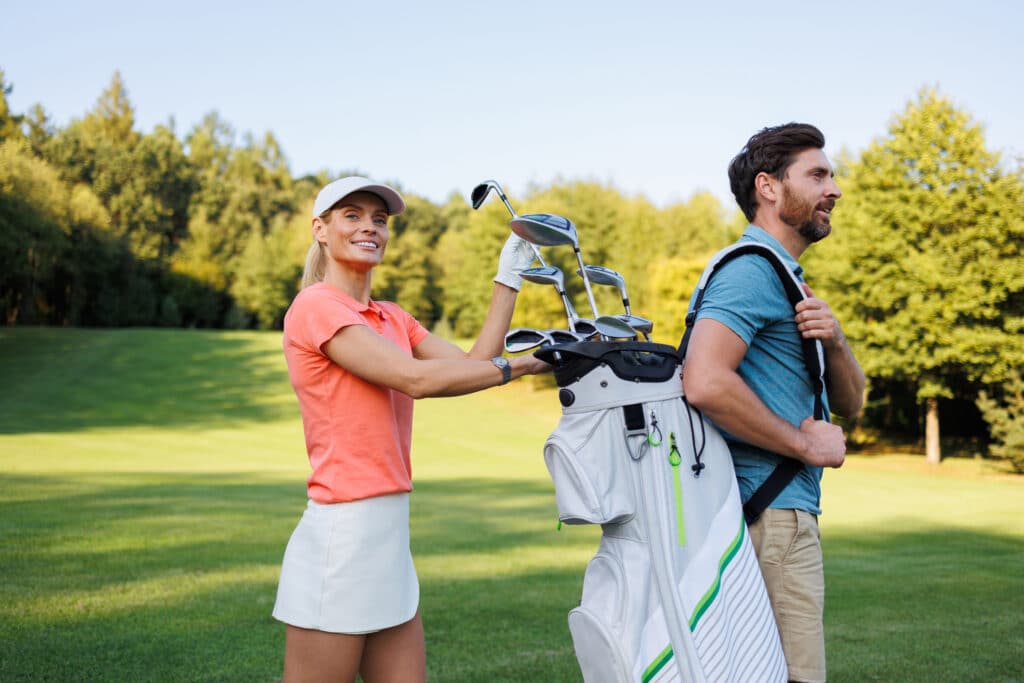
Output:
[[655, 429]]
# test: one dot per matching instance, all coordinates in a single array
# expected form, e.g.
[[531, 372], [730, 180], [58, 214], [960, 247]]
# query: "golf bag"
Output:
[[674, 592]]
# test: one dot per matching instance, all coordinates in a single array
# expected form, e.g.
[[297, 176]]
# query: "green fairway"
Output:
[[149, 481]]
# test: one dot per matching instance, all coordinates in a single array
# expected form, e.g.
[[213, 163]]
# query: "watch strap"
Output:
[[506, 368]]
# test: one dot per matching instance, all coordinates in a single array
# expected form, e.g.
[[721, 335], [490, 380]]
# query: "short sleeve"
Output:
[[315, 317], [737, 296], [413, 329]]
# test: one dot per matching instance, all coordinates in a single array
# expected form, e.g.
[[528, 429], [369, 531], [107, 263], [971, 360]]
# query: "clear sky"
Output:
[[653, 97]]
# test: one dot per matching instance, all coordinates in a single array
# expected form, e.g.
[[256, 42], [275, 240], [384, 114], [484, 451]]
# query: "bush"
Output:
[[1006, 421]]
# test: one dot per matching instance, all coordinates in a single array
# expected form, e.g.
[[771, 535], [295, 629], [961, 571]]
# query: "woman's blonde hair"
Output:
[[314, 270], [316, 259]]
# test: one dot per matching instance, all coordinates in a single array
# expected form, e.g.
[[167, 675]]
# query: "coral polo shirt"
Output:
[[357, 433]]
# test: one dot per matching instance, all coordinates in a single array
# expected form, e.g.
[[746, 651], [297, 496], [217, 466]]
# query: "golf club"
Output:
[[606, 276], [550, 275], [564, 336], [613, 328], [642, 325], [480, 194], [585, 328], [526, 338], [548, 230]]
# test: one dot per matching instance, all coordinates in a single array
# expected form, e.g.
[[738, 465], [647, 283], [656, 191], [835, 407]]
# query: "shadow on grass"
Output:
[[172, 577], [66, 379], [150, 578]]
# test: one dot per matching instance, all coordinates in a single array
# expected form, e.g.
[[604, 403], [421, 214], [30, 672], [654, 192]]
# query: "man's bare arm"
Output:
[[712, 385]]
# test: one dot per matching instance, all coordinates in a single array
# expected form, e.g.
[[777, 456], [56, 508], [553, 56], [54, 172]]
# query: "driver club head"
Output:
[[545, 229]]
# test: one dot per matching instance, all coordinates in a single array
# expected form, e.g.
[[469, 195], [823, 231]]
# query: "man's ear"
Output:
[[764, 184]]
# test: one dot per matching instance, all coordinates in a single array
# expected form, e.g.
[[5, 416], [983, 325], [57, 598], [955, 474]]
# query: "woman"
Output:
[[348, 592]]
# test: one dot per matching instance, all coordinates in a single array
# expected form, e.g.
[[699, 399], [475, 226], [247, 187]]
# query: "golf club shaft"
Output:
[[586, 282], [512, 212]]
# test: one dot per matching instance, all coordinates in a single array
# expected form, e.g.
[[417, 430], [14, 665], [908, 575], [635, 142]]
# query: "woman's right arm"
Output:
[[366, 354]]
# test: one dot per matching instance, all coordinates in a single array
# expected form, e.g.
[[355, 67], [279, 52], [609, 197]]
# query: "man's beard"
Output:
[[800, 215]]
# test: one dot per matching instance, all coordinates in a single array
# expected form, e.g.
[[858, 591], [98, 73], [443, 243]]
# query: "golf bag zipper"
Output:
[[675, 459]]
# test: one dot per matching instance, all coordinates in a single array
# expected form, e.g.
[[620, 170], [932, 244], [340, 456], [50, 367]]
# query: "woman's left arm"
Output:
[[491, 340]]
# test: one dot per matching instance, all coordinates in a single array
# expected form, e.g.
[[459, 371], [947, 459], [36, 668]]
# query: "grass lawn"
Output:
[[149, 481]]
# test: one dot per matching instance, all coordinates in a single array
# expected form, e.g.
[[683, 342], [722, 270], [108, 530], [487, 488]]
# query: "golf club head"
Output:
[[480, 193], [585, 328], [605, 276], [545, 229], [544, 275], [525, 338], [613, 328], [564, 336], [637, 323]]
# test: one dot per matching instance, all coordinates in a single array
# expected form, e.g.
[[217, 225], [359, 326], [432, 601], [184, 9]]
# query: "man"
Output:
[[745, 370]]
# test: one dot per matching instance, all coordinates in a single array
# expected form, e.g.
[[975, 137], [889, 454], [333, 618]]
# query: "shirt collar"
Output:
[[757, 234], [358, 306]]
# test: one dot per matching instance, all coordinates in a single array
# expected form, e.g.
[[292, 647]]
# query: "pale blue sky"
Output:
[[654, 97]]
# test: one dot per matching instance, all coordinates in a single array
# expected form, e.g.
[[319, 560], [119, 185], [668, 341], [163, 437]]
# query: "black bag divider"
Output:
[[633, 361]]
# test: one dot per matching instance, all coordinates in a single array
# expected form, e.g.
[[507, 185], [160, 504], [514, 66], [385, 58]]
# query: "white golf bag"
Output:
[[674, 592]]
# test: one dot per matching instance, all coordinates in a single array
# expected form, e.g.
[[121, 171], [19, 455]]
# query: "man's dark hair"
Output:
[[769, 151]]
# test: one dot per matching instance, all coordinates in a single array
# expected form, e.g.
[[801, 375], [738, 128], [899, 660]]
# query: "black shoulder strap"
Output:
[[813, 352]]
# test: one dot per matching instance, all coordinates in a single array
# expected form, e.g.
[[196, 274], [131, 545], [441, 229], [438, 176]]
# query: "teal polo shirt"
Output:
[[746, 296]]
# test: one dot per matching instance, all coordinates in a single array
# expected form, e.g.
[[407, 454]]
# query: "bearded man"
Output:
[[744, 369]]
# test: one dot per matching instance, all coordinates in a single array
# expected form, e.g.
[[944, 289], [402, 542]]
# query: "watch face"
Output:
[[506, 368]]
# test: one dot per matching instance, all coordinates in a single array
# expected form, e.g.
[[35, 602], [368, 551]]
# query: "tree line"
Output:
[[104, 225]]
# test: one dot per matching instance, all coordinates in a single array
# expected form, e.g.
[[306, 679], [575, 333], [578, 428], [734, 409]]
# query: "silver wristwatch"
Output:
[[506, 368]]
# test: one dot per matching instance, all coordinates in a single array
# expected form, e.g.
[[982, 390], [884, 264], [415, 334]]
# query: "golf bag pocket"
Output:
[[590, 469], [598, 625]]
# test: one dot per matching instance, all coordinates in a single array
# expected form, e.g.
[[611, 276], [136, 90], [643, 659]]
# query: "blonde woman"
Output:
[[348, 592]]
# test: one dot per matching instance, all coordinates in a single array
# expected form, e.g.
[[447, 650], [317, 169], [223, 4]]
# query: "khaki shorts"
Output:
[[788, 547]]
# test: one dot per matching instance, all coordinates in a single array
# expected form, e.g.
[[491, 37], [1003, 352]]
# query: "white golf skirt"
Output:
[[348, 567]]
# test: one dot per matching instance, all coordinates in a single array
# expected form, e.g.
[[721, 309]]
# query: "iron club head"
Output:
[[525, 338]]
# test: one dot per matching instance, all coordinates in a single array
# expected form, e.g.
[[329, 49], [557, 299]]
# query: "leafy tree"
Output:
[[670, 283], [1005, 416], [469, 251], [408, 274], [144, 181], [268, 275], [10, 124], [925, 263], [39, 129], [50, 237]]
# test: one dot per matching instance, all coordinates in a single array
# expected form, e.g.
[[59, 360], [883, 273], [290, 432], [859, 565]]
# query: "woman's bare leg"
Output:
[[317, 656], [395, 655]]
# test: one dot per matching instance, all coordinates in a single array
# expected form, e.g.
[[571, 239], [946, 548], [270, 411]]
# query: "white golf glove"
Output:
[[516, 256]]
